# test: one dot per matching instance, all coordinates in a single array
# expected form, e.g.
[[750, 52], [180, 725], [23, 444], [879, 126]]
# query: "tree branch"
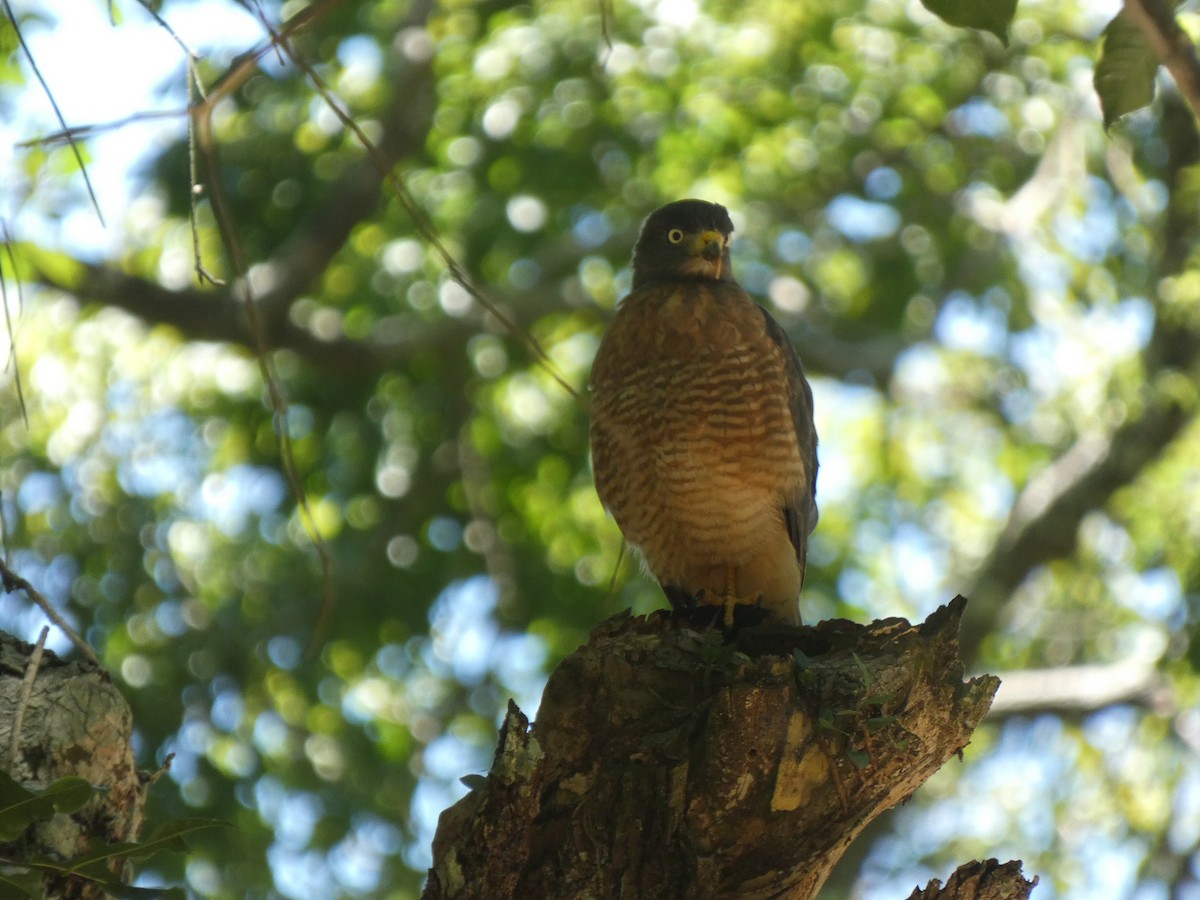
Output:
[[218, 315], [1044, 522], [11, 581], [1076, 690], [300, 259], [306, 254]]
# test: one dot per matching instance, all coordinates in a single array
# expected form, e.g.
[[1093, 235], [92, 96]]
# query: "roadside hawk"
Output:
[[703, 442]]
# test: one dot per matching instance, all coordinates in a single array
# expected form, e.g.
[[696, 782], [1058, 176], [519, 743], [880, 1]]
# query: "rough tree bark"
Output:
[[667, 762], [72, 722]]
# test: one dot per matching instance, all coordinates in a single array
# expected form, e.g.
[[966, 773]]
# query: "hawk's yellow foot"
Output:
[[730, 600]]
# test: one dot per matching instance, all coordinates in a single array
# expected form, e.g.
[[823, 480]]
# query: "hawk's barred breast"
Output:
[[694, 443]]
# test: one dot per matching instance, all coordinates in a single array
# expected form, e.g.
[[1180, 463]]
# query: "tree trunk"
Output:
[[72, 722], [670, 762]]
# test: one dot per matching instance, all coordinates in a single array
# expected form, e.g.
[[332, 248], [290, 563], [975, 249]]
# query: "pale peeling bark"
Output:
[[74, 722], [665, 763]]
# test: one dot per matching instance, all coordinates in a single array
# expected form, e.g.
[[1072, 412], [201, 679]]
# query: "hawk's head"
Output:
[[684, 240]]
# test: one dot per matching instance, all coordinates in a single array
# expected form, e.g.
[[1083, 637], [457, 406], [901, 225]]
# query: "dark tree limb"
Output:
[[219, 315], [666, 763]]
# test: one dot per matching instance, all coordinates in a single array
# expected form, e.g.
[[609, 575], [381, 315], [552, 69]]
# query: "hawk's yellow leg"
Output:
[[730, 599]]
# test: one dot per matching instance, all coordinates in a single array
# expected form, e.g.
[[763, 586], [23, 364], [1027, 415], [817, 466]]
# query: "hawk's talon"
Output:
[[730, 600], [730, 606]]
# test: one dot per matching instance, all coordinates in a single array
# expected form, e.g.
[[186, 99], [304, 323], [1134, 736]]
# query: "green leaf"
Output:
[[863, 671], [20, 807], [987, 15], [168, 836], [99, 874], [11, 792], [1125, 74], [129, 892], [95, 873], [69, 794], [859, 758], [825, 717], [803, 660], [20, 884], [717, 655]]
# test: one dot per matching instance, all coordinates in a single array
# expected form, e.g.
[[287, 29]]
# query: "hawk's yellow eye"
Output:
[[674, 235]]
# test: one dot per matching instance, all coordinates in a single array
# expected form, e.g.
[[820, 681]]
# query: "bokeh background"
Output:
[[996, 301]]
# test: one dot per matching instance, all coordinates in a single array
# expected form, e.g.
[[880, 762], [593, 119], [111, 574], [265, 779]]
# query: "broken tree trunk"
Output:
[[666, 762]]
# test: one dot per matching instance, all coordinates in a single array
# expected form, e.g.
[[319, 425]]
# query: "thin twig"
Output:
[[165, 26], [12, 334], [54, 104], [206, 142], [262, 352], [195, 88], [195, 188], [606, 24], [421, 221], [72, 133], [612, 582], [152, 777], [495, 550], [4, 548], [31, 670], [1171, 45], [14, 582]]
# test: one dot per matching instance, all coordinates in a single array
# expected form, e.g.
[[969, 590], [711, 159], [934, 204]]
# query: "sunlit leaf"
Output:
[[1126, 71], [994, 17]]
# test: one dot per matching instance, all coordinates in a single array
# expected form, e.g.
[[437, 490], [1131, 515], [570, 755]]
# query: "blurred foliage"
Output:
[[975, 265]]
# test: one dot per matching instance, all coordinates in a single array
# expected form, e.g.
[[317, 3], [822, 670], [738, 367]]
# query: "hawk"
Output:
[[703, 442]]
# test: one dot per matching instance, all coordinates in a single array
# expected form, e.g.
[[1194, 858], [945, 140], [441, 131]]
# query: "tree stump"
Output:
[[672, 762]]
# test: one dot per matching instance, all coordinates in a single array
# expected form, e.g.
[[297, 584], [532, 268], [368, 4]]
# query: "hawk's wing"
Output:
[[800, 513]]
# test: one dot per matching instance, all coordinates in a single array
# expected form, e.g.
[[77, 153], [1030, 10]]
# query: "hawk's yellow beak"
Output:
[[711, 246]]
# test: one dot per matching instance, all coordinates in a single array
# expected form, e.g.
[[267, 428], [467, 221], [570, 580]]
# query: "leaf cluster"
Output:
[[26, 876]]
